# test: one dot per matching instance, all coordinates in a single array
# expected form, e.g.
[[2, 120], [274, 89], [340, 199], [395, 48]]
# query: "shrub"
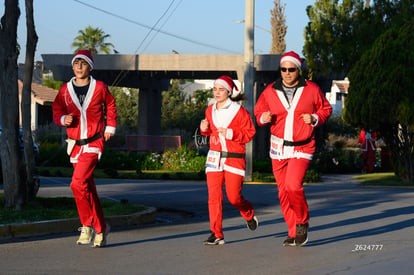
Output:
[[111, 172], [337, 161], [178, 159], [312, 176], [262, 165], [53, 154], [150, 161], [196, 164], [119, 160]]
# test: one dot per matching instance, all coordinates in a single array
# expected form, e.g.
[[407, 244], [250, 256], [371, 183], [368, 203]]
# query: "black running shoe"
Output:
[[290, 241], [212, 240], [301, 234], [253, 223]]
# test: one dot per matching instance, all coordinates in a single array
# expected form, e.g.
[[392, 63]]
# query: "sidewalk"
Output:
[[353, 230], [41, 228]]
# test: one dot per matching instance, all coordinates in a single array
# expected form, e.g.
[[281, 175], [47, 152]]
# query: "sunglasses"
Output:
[[290, 70]]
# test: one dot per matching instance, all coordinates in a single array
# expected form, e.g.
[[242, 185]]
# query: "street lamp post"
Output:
[[249, 77]]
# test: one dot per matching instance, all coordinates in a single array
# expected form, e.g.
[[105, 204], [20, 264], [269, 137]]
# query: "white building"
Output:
[[336, 96], [201, 84]]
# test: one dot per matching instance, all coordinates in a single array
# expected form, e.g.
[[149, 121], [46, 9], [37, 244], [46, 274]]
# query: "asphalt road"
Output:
[[353, 230]]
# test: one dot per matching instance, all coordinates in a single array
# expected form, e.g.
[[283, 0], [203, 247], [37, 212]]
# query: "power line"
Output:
[[153, 28], [122, 74], [165, 22], [158, 30]]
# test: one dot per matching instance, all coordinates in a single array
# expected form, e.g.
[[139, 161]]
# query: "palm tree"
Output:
[[92, 39]]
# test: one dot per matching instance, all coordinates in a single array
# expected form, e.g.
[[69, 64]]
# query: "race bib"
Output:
[[213, 159], [276, 147]]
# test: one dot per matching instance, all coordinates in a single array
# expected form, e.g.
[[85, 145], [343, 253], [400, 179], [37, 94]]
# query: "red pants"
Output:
[[289, 176], [234, 184], [368, 158], [84, 191]]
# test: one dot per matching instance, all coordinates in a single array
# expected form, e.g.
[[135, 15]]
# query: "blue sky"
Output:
[[186, 26]]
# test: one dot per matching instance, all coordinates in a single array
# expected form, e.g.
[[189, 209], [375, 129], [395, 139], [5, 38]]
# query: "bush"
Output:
[[196, 164], [336, 126], [53, 154], [179, 159], [262, 165], [118, 160], [150, 161], [337, 161], [312, 176]]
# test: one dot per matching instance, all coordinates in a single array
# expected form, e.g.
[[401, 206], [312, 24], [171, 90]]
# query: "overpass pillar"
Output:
[[149, 105]]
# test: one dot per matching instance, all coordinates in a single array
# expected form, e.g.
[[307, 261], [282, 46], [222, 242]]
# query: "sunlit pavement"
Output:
[[353, 230]]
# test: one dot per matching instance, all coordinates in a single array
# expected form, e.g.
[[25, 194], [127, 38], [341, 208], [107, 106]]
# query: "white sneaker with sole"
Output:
[[85, 235], [100, 239]]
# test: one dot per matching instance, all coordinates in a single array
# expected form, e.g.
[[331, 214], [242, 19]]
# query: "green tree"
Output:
[[179, 112], [279, 28], [127, 104], [172, 109], [328, 35], [92, 39], [381, 94], [195, 108], [340, 31]]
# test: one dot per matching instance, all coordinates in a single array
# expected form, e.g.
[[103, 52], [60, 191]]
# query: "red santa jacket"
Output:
[[287, 125], [240, 130], [88, 119], [367, 140]]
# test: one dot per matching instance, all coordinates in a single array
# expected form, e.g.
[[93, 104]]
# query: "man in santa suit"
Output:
[[293, 107], [229, 127], [81, 106], [367, 142]]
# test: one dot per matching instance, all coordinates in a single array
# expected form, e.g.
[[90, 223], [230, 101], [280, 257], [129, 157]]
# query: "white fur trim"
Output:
[[84, 57], [291, 59], [110, 129], [224, 84]]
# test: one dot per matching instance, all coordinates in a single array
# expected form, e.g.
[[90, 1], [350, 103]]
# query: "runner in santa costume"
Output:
[[81, 106], [293, 107], [367, 141], [229, 127]]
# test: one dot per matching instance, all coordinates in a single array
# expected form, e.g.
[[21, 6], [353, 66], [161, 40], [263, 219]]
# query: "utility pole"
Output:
[[249, 77]]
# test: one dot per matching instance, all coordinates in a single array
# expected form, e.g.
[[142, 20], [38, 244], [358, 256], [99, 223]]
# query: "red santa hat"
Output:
[[292, 57], [227, 83], [85, 55]]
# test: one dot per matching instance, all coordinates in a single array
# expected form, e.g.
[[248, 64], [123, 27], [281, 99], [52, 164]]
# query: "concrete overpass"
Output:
[[131, 70], [151, 74]]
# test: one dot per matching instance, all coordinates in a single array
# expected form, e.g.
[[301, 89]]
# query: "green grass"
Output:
[[58, 208], [382, 179]]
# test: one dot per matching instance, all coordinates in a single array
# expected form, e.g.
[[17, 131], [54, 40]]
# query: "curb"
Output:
[[20, 230]]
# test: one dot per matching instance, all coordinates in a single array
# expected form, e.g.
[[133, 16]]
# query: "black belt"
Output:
[[85, 141], [296, 143], [232, 155]]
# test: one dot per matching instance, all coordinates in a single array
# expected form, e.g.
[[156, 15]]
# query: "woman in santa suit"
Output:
[[229, 127], [293, 107]]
